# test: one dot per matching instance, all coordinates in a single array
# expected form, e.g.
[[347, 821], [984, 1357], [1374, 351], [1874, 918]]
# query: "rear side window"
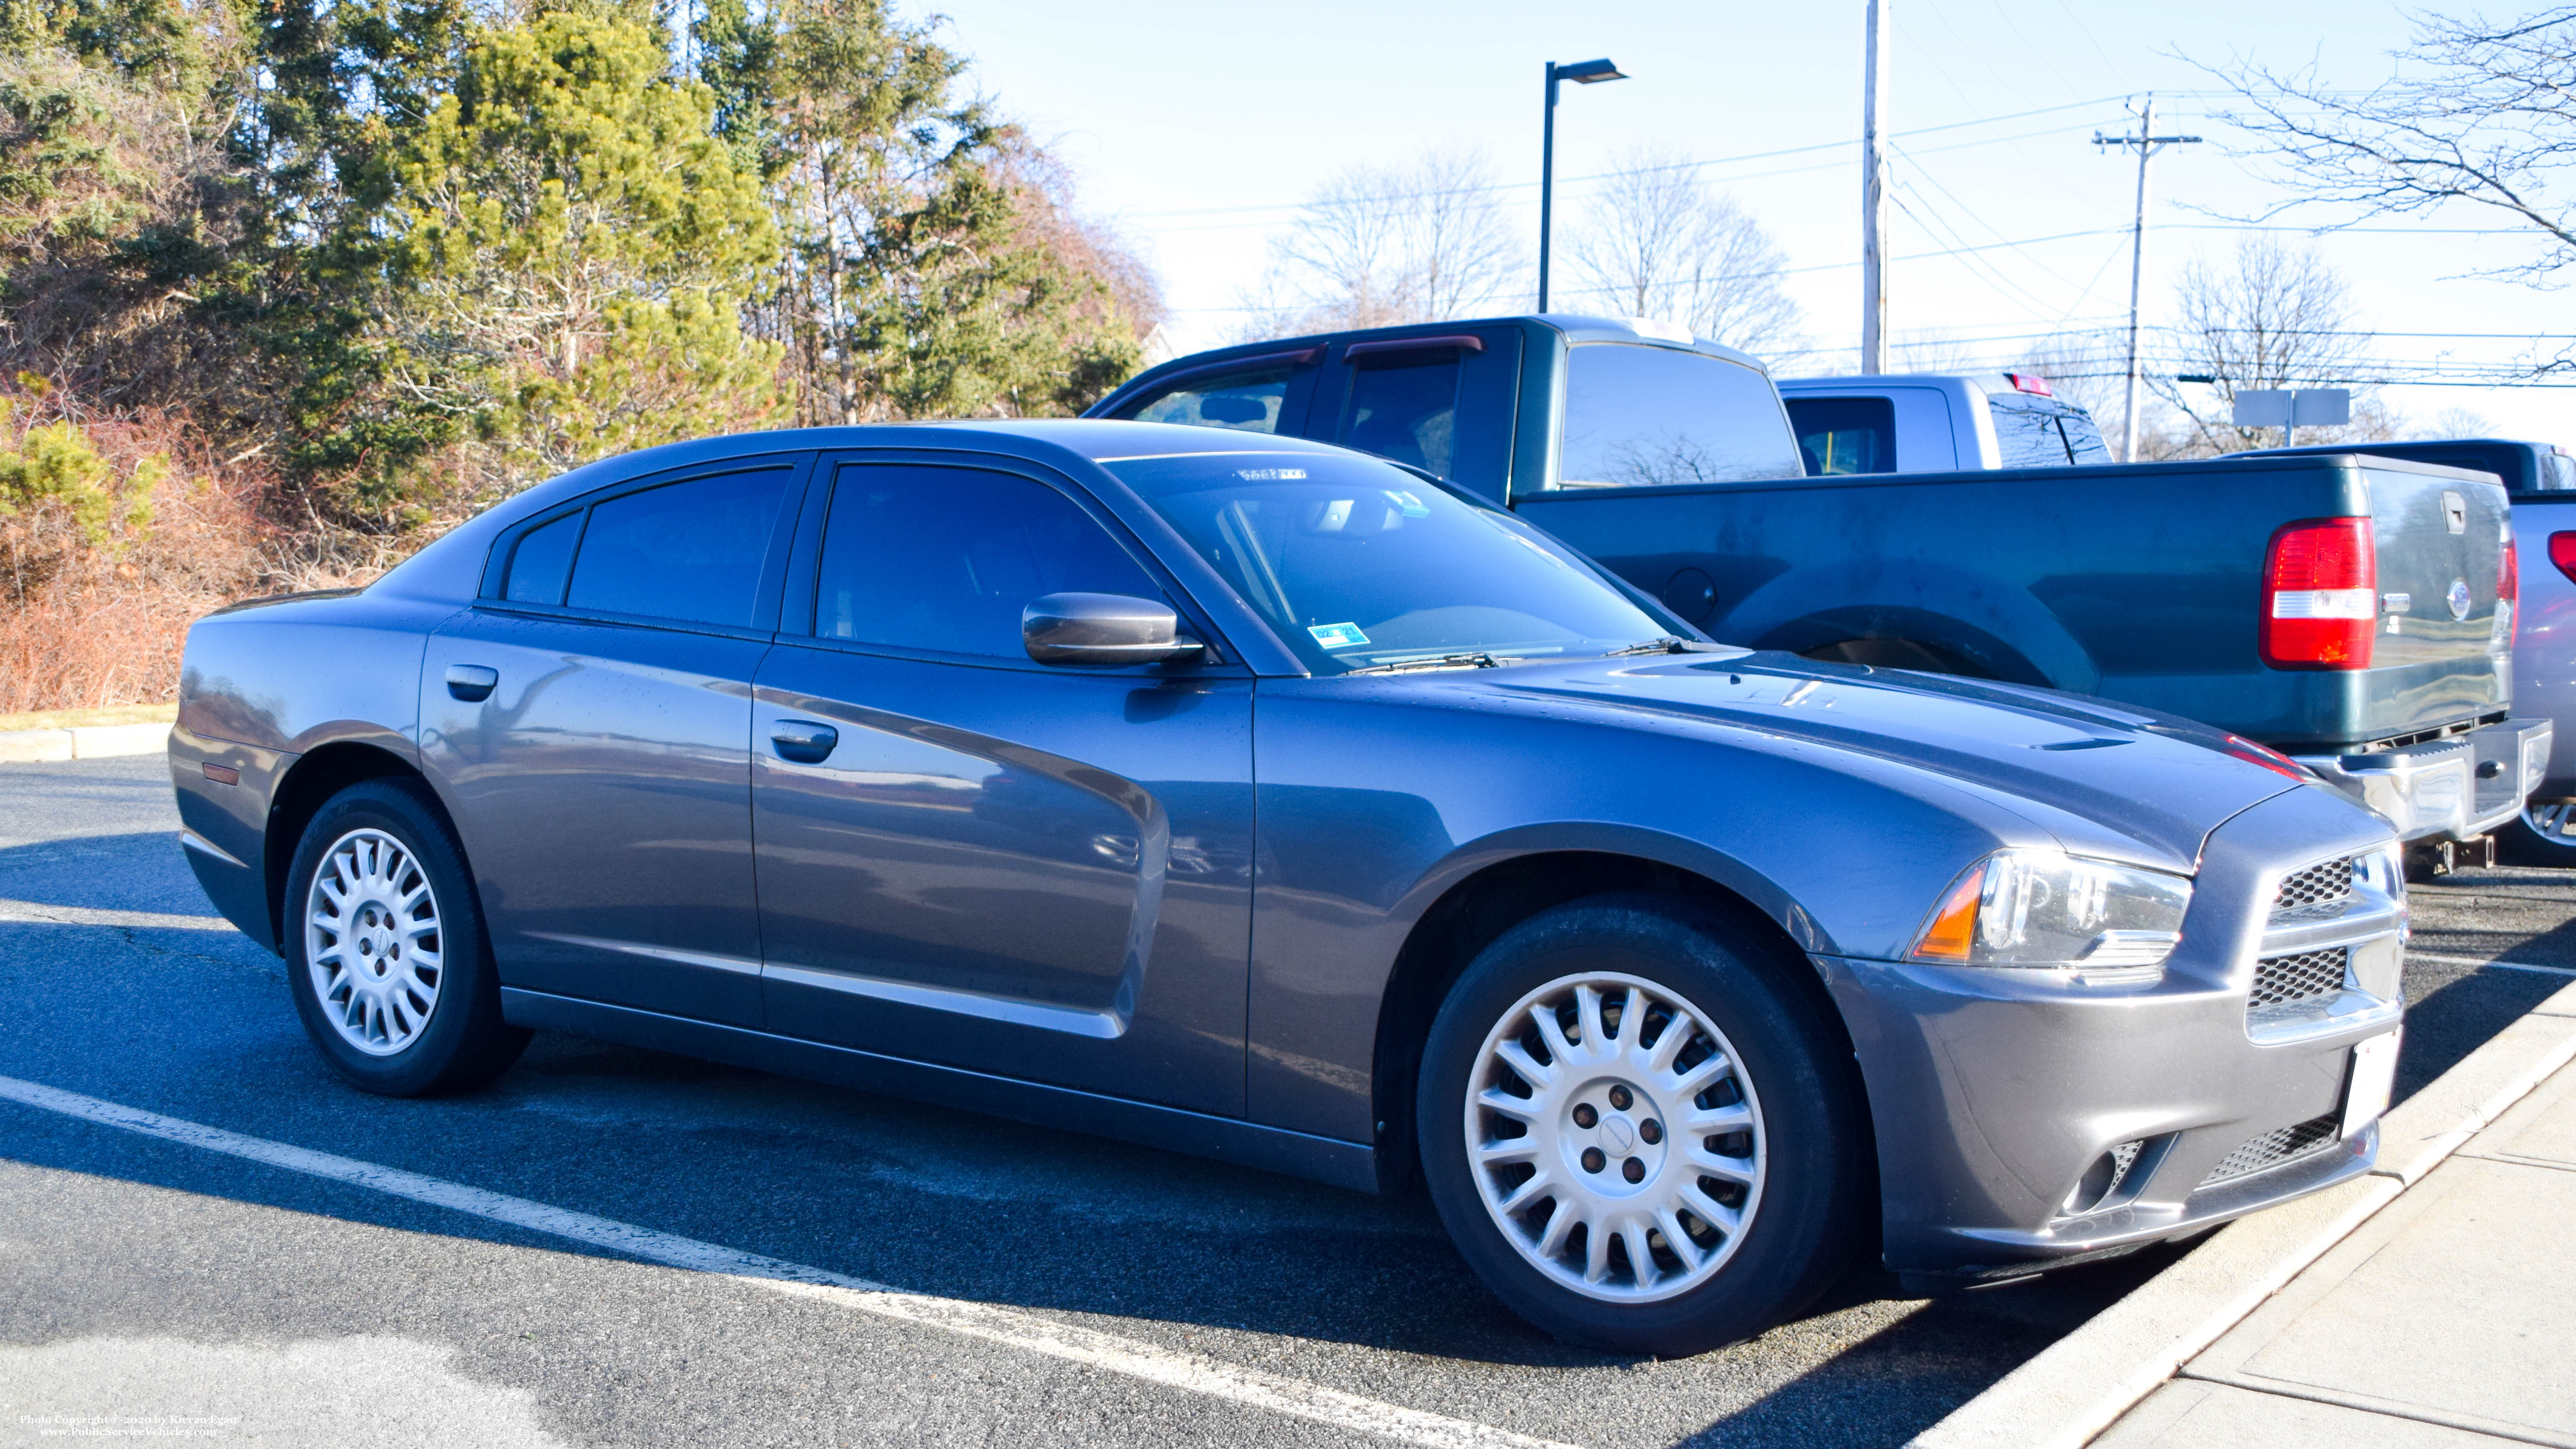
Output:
[[1638, 415], [542, 561], [692, 552], [2026, 432], [2557, 471], [1405, 408], [1249, 402], [944, 559], [1838, 435]]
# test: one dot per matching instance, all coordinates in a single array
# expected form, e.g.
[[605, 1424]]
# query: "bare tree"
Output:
[[2275, 316], [2480, 113], [1377, 246], [1655, 241]]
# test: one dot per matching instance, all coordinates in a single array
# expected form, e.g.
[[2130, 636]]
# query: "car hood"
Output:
[[2157, 781]]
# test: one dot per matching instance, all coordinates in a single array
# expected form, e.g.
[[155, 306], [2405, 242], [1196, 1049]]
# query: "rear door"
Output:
[[589, 722], [2444, 638]]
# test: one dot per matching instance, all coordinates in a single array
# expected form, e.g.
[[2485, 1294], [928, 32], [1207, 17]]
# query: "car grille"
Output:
[[2318, 890], [2281, 980], [2273, 1148]]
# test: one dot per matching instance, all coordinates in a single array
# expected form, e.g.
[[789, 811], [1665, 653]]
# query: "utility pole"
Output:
[[1873, 197], [2148, 144]]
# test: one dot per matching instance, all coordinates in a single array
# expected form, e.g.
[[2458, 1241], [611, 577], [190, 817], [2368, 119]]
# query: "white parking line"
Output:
[[40, 913], [1196, 1373], [2499, 965]]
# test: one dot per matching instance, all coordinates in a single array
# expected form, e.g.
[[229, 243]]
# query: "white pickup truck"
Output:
[[1910, 423]]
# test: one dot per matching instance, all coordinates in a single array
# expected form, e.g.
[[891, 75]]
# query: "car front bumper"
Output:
[[2447, 789], [1994, 1091]]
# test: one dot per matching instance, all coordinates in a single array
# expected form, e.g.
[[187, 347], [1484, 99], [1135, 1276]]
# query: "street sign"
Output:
[[2309, 407]]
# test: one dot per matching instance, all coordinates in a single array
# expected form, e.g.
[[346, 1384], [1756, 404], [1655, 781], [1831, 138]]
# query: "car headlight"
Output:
[[2043, 908]]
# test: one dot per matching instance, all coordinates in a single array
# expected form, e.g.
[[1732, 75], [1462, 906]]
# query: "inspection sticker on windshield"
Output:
[[1269, 475], [1406, 504], [1337, 636]]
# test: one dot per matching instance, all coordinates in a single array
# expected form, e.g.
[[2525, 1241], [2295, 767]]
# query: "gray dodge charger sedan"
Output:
[[1258, 799]]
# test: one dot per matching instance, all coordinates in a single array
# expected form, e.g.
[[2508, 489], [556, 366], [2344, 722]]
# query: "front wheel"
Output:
[[1638, 1140], [2541, 835], [385, 948]]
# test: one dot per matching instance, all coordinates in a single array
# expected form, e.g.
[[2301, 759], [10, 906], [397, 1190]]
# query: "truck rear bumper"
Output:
[[2448, 789]]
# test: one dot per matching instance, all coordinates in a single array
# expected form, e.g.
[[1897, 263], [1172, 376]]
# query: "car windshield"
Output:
[[1358, 564]]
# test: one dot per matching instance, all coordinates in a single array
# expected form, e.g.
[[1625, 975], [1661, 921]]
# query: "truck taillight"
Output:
[[2320, 595], [2509, 586], [2562, 552]]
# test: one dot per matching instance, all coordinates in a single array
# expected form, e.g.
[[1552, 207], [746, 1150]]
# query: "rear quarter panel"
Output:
[[264, 684]]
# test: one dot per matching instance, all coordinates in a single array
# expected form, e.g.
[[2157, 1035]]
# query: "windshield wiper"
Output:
[[1669, 644], [1445, 661]]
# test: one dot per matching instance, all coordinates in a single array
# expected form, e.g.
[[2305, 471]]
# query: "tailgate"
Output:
[[2440, 534]]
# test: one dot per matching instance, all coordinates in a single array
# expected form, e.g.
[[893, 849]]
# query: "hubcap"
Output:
[[371, 940], [1614, 1138]]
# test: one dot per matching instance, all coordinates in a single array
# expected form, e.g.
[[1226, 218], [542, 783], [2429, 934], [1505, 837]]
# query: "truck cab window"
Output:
[[1247, 402], [1839, 435], [2026, 432], [1637, 415], [1405, 408]]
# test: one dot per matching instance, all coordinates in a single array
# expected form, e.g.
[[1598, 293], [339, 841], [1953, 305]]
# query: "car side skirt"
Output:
[[1275, 1149]]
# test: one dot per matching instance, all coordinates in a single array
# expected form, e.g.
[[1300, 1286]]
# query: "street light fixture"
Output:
[[1582, 73]]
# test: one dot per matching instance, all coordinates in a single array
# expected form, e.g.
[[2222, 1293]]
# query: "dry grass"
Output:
[[84, 627], [64, 719]]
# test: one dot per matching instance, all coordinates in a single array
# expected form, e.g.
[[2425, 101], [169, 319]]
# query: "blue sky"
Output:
[[1198, 127]]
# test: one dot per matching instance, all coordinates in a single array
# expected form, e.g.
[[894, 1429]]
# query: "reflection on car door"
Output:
[[972, 859], [590, 721]]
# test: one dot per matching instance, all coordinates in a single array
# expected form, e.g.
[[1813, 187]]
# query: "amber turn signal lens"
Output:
[[1953, 931]]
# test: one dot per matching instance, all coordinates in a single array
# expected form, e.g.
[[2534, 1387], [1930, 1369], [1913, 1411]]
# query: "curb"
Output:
[[82, 742], [2080, 1385]]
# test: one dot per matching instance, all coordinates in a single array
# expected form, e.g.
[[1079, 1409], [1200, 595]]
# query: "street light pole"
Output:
[[1588, 72], [1873, 198], [2148, 143]]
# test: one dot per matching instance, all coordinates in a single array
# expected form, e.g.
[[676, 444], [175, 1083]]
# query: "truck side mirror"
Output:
[[1103, 629]]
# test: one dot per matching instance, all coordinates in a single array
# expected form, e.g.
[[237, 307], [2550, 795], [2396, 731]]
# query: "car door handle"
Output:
[[803, 741], [471, 683]]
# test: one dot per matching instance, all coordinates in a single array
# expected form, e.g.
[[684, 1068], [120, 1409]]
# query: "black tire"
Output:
[[2526, 841], [460, 1042], [1813, 1200]]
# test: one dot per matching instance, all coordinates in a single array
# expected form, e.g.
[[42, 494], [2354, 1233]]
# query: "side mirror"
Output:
[[1103, 629]]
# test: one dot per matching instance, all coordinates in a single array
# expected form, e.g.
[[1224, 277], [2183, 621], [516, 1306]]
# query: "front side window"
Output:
[[1638, 415], [1840, 435], [690, 552], [944, 559], [2026, 432], [1248, 402], [1355, 563], [1405, 408]]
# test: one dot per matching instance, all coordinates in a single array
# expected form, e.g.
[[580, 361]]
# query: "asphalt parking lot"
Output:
[[1078, 1291]]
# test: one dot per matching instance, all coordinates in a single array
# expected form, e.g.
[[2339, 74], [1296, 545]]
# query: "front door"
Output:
[[589, 724], [969, 858]]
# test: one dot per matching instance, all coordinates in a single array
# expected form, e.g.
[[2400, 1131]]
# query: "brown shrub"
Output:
[[90, 619]]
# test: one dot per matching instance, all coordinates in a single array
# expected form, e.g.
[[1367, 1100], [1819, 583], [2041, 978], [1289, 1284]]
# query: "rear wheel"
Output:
[[2541, 835], [1635, 1137], [385, 948]]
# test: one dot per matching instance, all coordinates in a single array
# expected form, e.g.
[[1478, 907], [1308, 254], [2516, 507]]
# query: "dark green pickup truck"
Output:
[[2356, 613]]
